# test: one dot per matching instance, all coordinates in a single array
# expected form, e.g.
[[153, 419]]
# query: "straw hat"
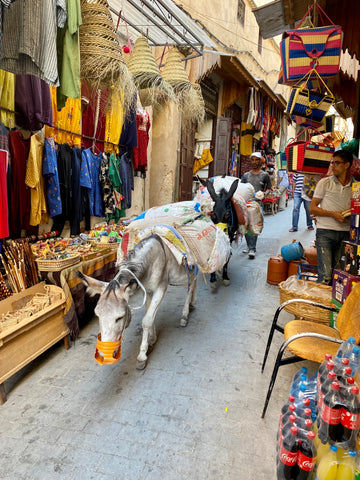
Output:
[[102, 65], [174, 71]]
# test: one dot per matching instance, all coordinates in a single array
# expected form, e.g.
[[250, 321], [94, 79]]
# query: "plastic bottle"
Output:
[[325, 388], [327, 468], [305, 393], [285, 407], [339, 365], [321, 449], [286, 429], [287, 466], [346, 465], [302, 420], [330, 428], [346, 347], [354, 358], [306, 457], [357, 466], [323, 366], [324, 373], [295, 383], [350, 419]]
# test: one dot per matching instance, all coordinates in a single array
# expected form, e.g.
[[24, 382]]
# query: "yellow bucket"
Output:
[[107, 353]]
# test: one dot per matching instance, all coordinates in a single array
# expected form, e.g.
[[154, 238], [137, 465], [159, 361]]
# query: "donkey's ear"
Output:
[[92, 285], [201, 180], [211, 190], [232, 189]]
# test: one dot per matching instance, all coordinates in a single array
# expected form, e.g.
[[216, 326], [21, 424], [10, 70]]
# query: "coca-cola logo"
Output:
[[288, 459], [307, 465]]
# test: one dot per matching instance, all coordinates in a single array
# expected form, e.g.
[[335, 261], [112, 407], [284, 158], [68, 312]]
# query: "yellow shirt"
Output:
[[114, 123], [35, 180], [7, 98]]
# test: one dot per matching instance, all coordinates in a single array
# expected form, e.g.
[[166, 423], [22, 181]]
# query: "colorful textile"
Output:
[[114, 123], [4, 218], [7, 98], [50, 172], [95, 193], [140, 151], [205, 159], [35, 180], [246, 138]]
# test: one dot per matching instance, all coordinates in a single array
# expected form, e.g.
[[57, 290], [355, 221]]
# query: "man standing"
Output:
[[282, 185], [260, 180], [331, 198], [299, 198]]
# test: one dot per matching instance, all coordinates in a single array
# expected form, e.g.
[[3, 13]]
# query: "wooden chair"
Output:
[[308, 340]]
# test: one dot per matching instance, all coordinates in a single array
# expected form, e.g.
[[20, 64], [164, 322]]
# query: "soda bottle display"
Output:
[[323, 366], [306, 456], [285, 407], [328, 466], [350, 419], [287, 468], [339, 366], [295, 383], [346, 465], [330, 428], [354, 358], [325, 388]]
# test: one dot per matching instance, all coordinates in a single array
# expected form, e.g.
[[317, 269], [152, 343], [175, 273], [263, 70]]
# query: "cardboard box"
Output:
[[355, 228], [342, 285], [350, 258], [333, 315]]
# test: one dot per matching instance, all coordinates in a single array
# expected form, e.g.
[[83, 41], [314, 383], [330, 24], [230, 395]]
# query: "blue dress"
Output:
[[92, 164]]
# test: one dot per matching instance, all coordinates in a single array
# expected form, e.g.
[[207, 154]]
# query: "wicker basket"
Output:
[[303, 310], [56, 265], [108, 245]]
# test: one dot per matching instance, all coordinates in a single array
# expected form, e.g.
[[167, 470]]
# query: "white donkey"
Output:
[[152, 267]]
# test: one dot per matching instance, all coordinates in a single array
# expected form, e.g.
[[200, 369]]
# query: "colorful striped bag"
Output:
[[305, 49], [305, 156]]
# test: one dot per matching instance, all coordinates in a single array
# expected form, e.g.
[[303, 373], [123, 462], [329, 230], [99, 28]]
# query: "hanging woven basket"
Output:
[[147, 74], [174, 72], [102, 65]]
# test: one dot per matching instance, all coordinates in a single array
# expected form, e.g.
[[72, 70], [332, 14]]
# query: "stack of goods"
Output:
[[348, 275], [107, 235], [19, 267], [55, 253], [319, 424]]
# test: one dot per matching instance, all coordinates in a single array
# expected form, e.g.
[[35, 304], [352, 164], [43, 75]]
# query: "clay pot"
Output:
[[277, 270], [311, 255]]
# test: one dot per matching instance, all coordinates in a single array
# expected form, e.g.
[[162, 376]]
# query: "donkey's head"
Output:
[[223, 211], [112, 308]]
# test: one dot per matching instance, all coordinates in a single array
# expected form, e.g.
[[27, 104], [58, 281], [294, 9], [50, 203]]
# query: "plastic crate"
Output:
[[307, 272]]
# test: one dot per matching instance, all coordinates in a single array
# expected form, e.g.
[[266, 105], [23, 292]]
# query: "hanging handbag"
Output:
[[305, 49], [305, 156], [280, 157], [310, 104]]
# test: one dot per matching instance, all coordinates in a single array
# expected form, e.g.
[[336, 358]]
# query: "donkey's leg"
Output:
[[189, 297], [193, 296], [149, 327], [213, 281], [226, 279]]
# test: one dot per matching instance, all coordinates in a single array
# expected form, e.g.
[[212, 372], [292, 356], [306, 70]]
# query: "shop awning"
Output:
[[162, 22]]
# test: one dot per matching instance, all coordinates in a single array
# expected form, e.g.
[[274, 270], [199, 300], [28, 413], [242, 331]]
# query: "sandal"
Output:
[[293, 230], [310, 228]]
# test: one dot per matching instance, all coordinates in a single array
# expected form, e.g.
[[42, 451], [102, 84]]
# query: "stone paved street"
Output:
[[194, 412]]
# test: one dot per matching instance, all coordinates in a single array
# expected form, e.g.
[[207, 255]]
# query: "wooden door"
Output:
[[222, 146], [187, 150]]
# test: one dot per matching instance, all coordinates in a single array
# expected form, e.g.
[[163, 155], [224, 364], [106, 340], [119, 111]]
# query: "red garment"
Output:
[[4, 217], [19, 193], [140, 152], [94, 113]]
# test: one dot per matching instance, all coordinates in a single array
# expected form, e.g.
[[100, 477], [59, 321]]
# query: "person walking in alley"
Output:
[[331, 198], [300, 197], [261, 182], [282, 185]]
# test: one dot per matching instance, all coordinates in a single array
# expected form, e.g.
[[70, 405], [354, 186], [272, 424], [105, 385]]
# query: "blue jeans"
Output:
[[296, 211], [251, 241], [328, 247]]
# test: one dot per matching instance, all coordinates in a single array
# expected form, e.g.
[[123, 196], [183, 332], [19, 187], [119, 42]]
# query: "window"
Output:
[[241, 12]]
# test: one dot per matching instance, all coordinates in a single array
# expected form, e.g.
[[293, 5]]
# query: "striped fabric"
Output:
[[29, 39], [306, 157], [299, 48]]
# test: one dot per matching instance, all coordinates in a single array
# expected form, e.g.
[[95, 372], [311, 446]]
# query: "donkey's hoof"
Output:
[[191, 307], [183, 322], [140, 365], [226, 283], [213, 286]]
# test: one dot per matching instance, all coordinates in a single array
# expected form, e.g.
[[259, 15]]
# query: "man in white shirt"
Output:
[[331, 198]]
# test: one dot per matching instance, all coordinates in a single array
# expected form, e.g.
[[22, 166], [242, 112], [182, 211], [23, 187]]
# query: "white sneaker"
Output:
[[252, 254], [246, 250]]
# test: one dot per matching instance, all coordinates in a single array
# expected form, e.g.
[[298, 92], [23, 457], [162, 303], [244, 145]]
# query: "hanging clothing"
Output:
[[93, 118], [142, 132], [35, 180], [19, 193], [32, 103], [69, 118], [68, 48], [50, 172], [114, 123], [246, 138], [95, 193], [7, 88], [29, 39], [4, 207], [3, 4], [4, 140], [204, 160], [64, 171], [114, 175], [128, 138], [76, 204], [127, 179], [107, 188], [85, 184]]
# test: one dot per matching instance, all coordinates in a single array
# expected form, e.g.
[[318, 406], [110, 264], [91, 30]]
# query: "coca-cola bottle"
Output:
[[290, 422], [325, 388], [339, 365], [287, 468], [350, 419], [304, 421], [306, 457], [323, 366], [285, 407], [330, 428]]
